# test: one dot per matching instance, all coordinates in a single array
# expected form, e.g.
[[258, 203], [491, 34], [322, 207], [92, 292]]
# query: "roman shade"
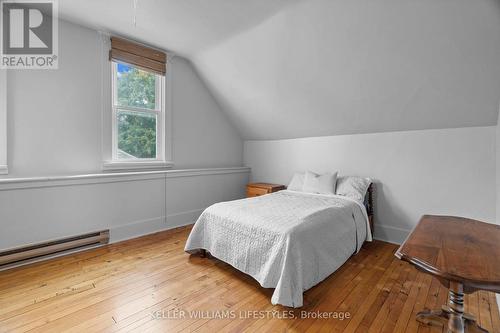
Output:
[[138, 55]]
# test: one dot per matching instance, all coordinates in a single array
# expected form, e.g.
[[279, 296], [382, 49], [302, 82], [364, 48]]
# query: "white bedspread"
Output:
[[287, 240]]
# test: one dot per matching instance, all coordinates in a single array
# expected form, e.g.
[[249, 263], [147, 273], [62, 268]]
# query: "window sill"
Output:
[[145, 165]]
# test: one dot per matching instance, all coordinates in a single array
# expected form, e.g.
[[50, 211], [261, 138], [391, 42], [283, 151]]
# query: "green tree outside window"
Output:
[[136, 130]]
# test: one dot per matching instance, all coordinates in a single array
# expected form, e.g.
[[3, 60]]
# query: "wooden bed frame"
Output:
[[369, 205]]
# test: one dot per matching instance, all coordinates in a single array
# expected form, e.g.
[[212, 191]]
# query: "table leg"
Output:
[[452, 315], [430, 317], [456, 322]]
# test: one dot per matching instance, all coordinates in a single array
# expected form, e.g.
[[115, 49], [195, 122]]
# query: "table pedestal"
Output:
[[452, 314]]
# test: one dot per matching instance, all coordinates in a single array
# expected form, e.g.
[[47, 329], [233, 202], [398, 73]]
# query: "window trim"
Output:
[[4, 170], [108, 163], [129, 165]]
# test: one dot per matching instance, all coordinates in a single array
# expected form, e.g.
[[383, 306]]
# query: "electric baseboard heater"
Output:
[[52, 247]]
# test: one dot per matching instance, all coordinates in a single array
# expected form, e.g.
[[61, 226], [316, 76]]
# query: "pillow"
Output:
[[321, 184], [353, 187], [297, 182]]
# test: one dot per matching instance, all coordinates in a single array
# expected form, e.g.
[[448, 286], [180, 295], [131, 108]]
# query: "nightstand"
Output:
[[256, 189]]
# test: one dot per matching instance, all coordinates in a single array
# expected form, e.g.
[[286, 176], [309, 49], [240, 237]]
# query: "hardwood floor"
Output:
[[135, 286]]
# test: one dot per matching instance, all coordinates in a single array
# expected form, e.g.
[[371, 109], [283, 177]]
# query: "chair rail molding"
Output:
[[111, 177]]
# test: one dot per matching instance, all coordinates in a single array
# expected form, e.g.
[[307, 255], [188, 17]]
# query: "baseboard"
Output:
[[150, 226], [390, 234], [184, 218], [137, 229]]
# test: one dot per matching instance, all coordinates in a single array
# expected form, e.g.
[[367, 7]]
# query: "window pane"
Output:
[[135, 87], [136, 135]]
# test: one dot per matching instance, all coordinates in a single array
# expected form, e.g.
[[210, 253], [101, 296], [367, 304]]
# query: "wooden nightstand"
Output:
[[256, 189]]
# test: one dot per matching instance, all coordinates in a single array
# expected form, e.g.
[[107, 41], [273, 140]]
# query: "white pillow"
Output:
[[321, 184], [297, 182], [353, 187]]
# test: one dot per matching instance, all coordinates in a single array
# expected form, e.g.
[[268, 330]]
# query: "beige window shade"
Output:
[[138, 55]]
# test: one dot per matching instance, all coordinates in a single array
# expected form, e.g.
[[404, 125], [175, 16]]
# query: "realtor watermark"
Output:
[[248, 314], [29, 34]]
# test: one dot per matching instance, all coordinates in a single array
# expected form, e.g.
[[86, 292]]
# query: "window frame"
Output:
[[4, 170], [106, 101], [158, 111]]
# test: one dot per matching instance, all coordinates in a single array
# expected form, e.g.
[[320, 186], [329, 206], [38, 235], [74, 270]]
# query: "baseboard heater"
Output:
[[52, 247]]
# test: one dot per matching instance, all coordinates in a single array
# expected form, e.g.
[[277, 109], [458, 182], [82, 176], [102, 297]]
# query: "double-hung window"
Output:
[[138, 114], [138, 117]]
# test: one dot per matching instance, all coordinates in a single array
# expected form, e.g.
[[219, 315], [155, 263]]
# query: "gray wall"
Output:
[[449, 171], [54, 116], [130, 206], [54, 130]]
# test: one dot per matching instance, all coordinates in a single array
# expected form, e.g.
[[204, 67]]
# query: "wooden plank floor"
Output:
[[150, 285]]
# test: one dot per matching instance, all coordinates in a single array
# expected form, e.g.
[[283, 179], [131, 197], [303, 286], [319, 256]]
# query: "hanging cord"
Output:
[[135, 12]]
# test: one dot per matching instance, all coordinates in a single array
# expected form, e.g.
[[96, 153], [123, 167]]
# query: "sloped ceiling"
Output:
[[288, 69], [183, 26]]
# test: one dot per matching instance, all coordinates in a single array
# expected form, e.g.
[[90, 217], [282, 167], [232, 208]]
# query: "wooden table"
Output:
[[464, 255]]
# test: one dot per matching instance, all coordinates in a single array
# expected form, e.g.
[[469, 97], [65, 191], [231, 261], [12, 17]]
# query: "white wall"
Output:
[[323, 67], [202, 133], [54, 123], [54, 115], [54, 130], [448, 171]]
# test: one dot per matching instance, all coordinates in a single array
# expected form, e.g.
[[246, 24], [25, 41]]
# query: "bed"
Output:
[[286, 240]]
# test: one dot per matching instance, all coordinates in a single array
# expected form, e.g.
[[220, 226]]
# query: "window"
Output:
[[138, 114], [137, 110]]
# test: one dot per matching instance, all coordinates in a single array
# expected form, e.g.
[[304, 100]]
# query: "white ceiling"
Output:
[[287, 69]]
